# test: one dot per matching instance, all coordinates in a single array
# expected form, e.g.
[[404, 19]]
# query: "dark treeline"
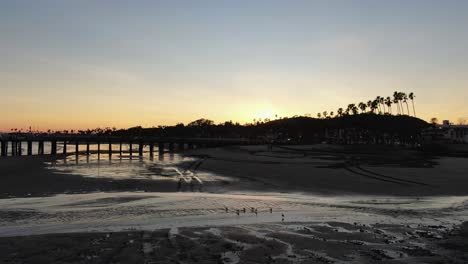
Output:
[[360, 128], [365, 128]]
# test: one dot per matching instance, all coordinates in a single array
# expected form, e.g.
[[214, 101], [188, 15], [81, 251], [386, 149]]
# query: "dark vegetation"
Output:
[[361, 127], [349, 128]]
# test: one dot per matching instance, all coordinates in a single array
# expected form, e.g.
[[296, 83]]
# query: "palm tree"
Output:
[[369, 104], [377, 102], [332, 114], [319, 115], [348, 109], [400, 99], [354, 109], [405, 100], [340, 111], [375, 105], [396, 101], [382, 102], [411, 97], [363, 107], [388, 102], [325, 114]]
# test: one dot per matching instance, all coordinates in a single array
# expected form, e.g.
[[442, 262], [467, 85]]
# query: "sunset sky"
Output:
[[83, 64]]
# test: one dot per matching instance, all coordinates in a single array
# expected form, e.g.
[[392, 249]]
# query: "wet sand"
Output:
[[328, 170], [329, 204], [29, 176], [334, 170], [330, 242]]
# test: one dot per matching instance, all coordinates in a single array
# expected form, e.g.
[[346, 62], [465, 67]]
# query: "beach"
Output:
[[249, 204]]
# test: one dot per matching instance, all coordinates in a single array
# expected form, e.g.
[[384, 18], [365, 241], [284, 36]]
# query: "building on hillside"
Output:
[[447, 132]]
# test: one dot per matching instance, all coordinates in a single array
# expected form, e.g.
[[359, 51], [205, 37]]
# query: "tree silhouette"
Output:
[[388, 102], [363, 107], [411, 97], [340, 111], [405, 100]]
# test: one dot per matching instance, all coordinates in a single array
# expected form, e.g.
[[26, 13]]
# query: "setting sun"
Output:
[[265, 113]]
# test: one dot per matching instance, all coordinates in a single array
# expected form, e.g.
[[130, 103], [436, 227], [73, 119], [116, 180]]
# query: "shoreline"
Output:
[[292, 169]]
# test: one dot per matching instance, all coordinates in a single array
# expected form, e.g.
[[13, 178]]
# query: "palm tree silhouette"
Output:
[[405, 100], [411, 97], [369, 104], [340, 111], [382, 102], [395, 101], [363, 107], [377, 103], [388, 102], [319, 115]]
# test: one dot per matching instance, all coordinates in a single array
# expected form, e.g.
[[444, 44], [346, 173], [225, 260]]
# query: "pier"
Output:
[[12, 145]]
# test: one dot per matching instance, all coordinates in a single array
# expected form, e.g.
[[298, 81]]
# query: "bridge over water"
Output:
[[13, 144]]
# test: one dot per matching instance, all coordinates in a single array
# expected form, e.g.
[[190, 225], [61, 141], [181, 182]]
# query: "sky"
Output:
[[85, 64]]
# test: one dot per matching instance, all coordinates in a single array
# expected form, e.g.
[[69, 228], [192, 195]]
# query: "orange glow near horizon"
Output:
[[88, 64]]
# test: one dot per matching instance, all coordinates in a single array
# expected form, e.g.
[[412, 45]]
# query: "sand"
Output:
[[334, 170], [330, 204], [28, 176], [330, 242], [328, 170]]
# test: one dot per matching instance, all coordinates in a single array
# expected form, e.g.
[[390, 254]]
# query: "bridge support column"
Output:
[[77, 148], [29, 148], [13, 148], [20, 149], [120, 149], [87, 148], [40, 148], [110, 149], [130, 149], [53, 149], [140, 149], [65, 147], [2, 147], [171, 147], [151, 149], [161, 147], [99, 149]]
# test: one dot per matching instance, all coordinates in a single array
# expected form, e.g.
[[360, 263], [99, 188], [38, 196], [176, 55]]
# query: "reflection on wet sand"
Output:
[[168, 167]]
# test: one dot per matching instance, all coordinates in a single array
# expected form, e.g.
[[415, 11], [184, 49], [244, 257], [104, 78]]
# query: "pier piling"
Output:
[[161, 148], [151, 149], [171, 147], [40, 148], [140, 149], [53, 149], [29, 147]]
